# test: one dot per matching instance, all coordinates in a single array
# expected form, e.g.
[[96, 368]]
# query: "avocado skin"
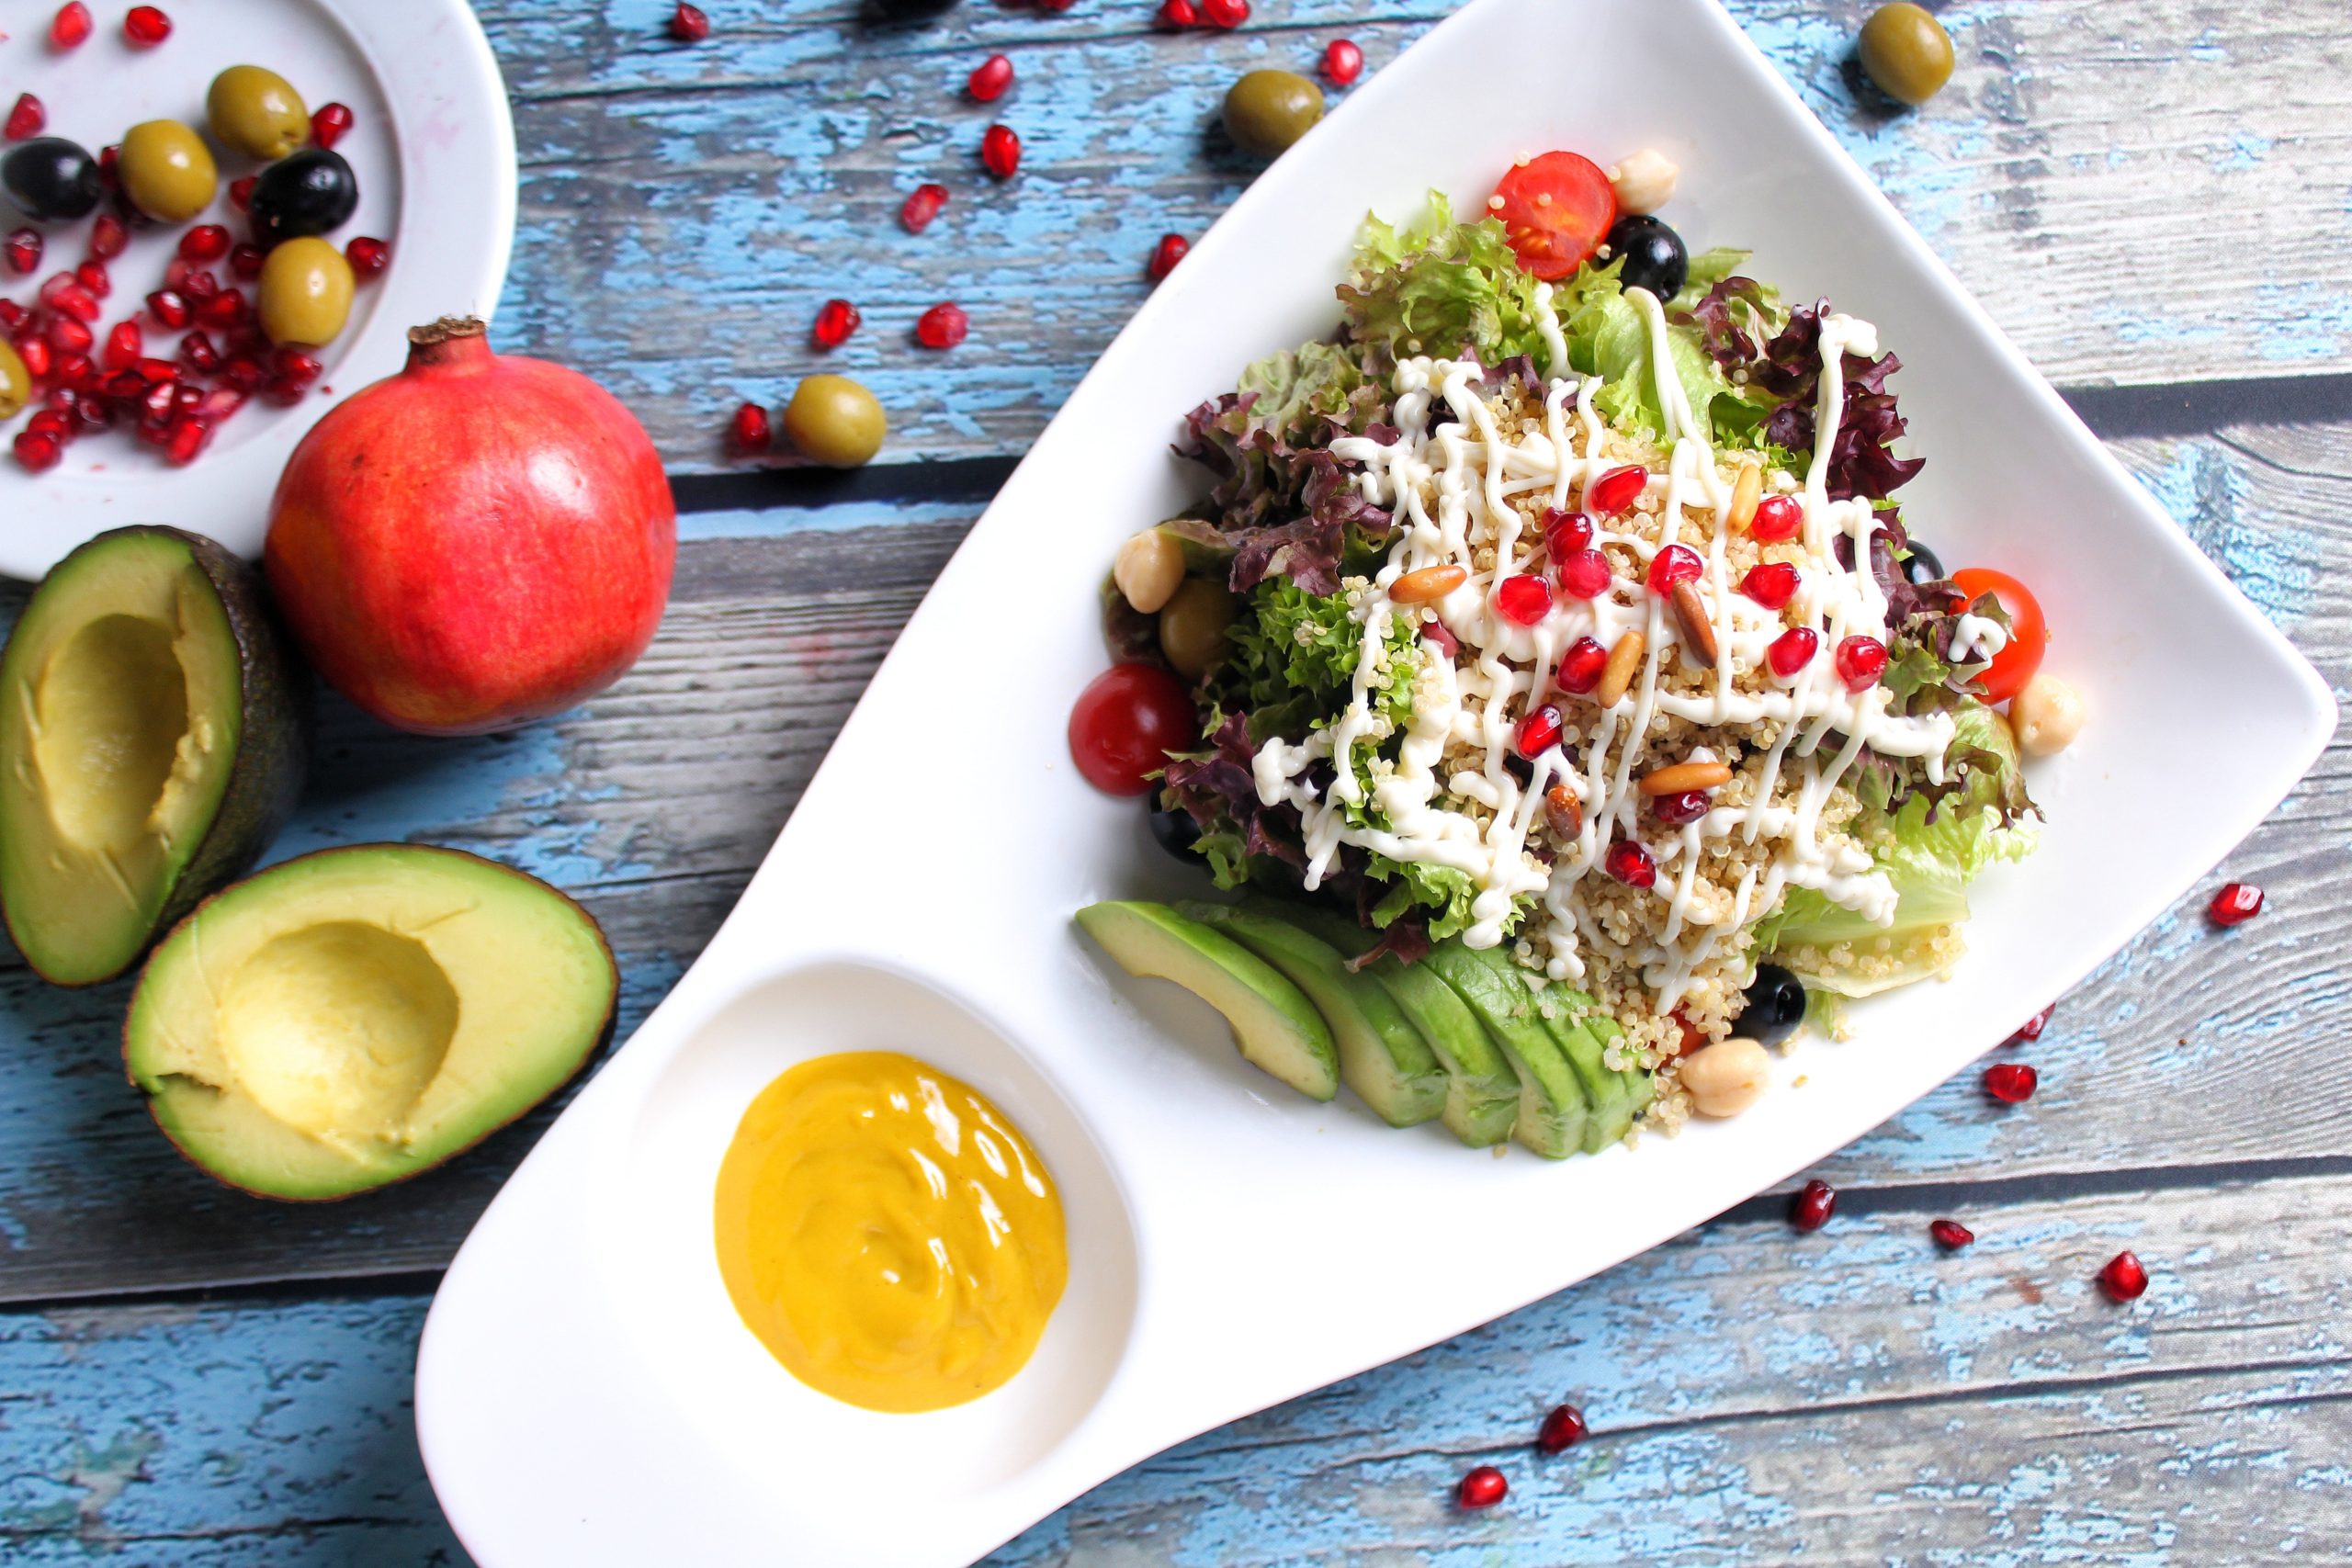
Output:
[[265, 778]]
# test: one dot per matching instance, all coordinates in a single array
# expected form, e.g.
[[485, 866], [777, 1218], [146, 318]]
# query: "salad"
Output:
[[1551, 630]]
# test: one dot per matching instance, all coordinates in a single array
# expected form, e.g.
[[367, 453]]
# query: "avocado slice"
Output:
[[1552, 1109], [1481, 1090], [1608, 1103], [353, 1017], [1382, 1056], [152, 738], [1276, 1027]]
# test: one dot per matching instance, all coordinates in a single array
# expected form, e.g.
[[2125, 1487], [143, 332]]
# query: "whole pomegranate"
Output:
[[477, 542]]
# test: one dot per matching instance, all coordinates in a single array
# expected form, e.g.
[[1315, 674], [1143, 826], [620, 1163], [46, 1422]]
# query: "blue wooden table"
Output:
[[2156, 201]]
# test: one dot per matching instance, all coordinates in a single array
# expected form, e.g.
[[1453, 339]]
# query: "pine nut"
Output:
[[1746, 491], [1149, 569], [1564, 811], [1678, 778], [1618, 674], [1691, 619], [1427, 585]]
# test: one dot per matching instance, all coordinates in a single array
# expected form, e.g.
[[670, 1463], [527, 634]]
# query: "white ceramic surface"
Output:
[[584, 1394], [432, 148]]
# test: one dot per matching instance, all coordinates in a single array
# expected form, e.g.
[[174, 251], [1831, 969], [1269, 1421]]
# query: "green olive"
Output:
[[1267, 110], [1193, 626], [15, 387], [305, 292], [257, 112], [1907, 51], [833, 421], [167, 171]]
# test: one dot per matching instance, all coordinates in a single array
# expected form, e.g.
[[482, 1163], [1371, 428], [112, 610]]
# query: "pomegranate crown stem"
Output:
[[449, 341]]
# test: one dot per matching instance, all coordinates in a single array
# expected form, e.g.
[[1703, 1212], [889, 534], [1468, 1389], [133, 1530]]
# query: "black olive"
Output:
[[1775, 1006], [1174, 829], [49, 178], [1922, 566], [313, 192], [1654, 258]]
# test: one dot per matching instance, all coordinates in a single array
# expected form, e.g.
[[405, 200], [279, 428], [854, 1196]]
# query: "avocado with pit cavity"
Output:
[[355, 1016], [1552, 1109], [1276, 1028], [153, 734]]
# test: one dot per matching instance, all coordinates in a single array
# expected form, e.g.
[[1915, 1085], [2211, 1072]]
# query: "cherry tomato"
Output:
[[2014, 665], [1556, 209], [1124, 723]]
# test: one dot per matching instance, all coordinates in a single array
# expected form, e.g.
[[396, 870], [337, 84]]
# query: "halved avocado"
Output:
[[152, 738], [355, 1016]]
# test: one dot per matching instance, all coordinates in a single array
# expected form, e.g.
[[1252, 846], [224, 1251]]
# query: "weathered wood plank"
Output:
[[2146, 193]]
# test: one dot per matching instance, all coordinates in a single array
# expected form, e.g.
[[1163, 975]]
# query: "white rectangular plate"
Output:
[[585, 1394]]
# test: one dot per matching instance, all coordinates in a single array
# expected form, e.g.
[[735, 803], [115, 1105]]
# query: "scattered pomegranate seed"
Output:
[[989, 79], [2011, 1082], [13, 315], [1813, 1205], [1538, 732], [37, 450], [1615, 490], [750, 431], [1565, 533], [297, 365], [1676, 810], [245, 263], [27, 119], [1672, 566], [1777, 517], [241, 191], [2235, 903], [109, 235], [69, 336], [69, 28], [2124, 1277], [146, 26], [1772, 584], [1226, 14], [126, 345], [1482, 1488], [1950, 1235], [66, 295], [836, 318], [52, 422], [331, 124], [198, 352], [205, 243], [1563, 1428], [942, 326], [1000, 151], [242, 371], [168, 309], [1523, 600], [1175, 16], [94, 277], [191, 433], [1861, 661], [1056, 7], [194, 282], [369, 257], [1792, 650], [226, 308], [1581, 666], [1343, 63], [1585, 575], [110, 166], [1171, 249], [35, 353], [688, 24], [2031, 1030], [1631, 865], [24, 249], [922, 206]]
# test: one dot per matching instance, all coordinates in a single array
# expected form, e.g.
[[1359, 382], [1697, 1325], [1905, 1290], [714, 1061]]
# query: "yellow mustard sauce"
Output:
[[887, 1234]]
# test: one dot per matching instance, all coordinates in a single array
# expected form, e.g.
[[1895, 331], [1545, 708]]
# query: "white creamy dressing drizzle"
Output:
[[1451, 492]]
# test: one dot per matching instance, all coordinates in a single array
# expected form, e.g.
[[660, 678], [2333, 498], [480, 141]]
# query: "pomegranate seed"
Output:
[[243, 372], [226, 308], [205, 243], [922, 206], [1676, 810], [245, 263], [126, 345], [2031, 1030], [1523, 600], [331, 124], [146, 26], [279, 392], [1175, 16], [1226, 14], [1482, 1488], [110, 166], [1538, 732], [1563, 1428], [1813, 1205], [1631, 865], [75, 370], [199, 354], [836, 318], [688, 24], [36, 451], [1343, 63], [25, 247], [195, 282], [1585, 575], [191, 433], [52, 422], [66, 295], [1171, 249], [70, 27], [155, 408], [1581, 666], [1000, 151], [2012, 1083], [126, 382], [27, 119], [13, 315], [1672, 566], [37, 358], [2235, 903], [1777, 517], [2124, 1277], [109, 235], [1773, 585], [219, 403], [942, 326], [168, 309], [151, 371], [1792, 650], [990, 78], [68, 336], [1616, 489], [1565, 533], [92, 275], [1861, 661], [749, 430], [1950, 1235], [294, 365], [1054, 6], [368, 258], [241, 191]]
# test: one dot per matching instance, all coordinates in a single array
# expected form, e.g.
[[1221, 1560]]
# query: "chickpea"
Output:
[[1645, 182], [1726, 1077], [2046, 716], [1149, 570], [1193, 625]]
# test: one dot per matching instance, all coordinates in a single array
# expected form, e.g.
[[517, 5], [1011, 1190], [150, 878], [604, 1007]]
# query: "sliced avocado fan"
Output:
[[355, 1016], [152, 738]]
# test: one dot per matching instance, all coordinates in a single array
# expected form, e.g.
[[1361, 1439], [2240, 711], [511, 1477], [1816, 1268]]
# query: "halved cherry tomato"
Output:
[[1124, 723], [2014, 665], [1557, 208]]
